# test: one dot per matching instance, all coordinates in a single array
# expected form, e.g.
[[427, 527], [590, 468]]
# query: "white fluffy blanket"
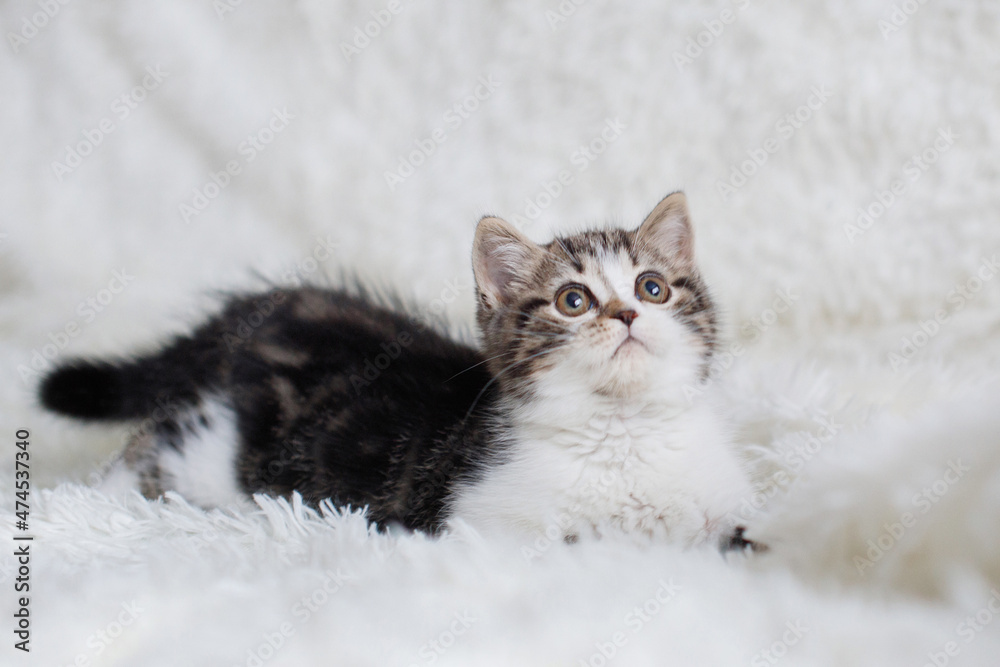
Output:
[[840, 160]]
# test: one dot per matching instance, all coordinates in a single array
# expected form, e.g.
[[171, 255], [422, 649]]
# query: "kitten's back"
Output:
[[329, 393]]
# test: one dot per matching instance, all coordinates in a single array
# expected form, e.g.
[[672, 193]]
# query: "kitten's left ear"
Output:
[[668, 229]]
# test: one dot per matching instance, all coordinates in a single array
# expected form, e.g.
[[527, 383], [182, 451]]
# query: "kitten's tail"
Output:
[[117, 390]]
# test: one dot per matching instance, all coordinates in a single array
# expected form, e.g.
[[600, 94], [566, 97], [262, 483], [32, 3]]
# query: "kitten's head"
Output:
[[617, 313]]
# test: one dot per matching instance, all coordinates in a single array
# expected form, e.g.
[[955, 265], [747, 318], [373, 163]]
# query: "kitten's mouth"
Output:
[[629, 342]]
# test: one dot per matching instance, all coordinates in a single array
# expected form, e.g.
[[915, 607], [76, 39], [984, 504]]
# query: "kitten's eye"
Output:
[[574, 300], [652, 287]]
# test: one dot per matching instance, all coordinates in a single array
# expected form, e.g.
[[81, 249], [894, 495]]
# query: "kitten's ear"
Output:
[[501, 260], [668, 229]]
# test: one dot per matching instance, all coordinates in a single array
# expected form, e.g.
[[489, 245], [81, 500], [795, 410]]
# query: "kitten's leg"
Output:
[[194, 453], [143, 460], [200, 459]]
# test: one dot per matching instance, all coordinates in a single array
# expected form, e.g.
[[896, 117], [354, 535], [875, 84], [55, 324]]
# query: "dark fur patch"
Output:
[[335, 395]]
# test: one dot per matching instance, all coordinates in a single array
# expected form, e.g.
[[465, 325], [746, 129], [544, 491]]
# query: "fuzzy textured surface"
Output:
[[862, 382]]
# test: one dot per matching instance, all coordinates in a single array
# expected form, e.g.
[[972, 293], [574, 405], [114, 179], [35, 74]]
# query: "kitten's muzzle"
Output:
[[629, 339]]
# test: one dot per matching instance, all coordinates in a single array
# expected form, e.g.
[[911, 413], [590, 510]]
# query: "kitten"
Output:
[[571, 418]]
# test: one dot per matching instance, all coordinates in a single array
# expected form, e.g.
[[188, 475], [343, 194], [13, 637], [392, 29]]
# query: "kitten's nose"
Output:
[[626, 316]]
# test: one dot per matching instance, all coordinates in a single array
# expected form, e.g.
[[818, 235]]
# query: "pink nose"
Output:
[[626, 316]]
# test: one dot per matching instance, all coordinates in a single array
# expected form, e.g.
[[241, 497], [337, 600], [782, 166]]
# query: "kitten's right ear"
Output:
[[501, 260], [668, 228]]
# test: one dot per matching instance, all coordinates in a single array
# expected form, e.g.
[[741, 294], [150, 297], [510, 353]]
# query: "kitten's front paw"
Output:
[[736, 542]]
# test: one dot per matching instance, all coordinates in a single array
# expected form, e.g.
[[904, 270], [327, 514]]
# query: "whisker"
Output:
[[502, 354], [517, 335], [529, 335], [497, 376]]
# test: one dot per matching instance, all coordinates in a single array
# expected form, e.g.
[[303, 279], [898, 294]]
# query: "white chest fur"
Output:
[[663, 472]]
